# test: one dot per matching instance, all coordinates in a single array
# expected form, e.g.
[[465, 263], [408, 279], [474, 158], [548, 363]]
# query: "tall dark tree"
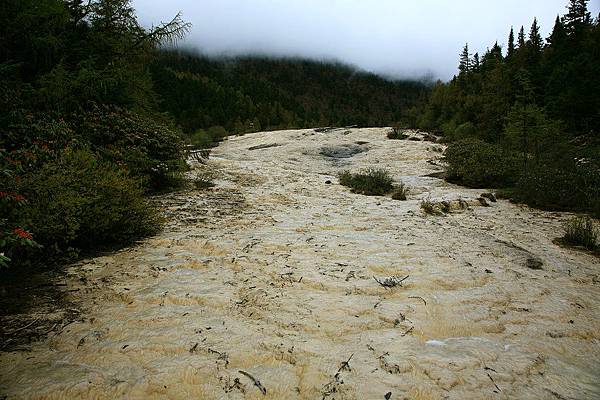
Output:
[[578, 16], [476, 63], [558, 35], [511, 43], [521, 38], [465, 60], [535, 40]]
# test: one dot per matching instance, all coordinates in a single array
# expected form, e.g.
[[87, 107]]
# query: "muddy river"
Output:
[[263, 288]]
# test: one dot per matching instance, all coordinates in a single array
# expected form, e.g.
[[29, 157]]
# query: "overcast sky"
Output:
[[403, 38]]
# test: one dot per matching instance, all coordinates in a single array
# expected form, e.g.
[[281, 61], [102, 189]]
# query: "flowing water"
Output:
[[272, 273]]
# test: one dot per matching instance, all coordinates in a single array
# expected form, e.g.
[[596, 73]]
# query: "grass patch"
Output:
[[430, 207], [203, 181], [400, 192], [370, 182], [580, 231], [395, 134]]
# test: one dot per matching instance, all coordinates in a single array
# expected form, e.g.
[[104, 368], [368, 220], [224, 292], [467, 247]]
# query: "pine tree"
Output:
[[578, 16], [511, 43], [521, 39], [558, 33], [465, 61], [476, 63], [535, 39]]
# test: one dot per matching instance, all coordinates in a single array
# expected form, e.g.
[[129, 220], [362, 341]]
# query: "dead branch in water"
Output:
[[418, 297], [391, 281], [256, 382], [345, 365]]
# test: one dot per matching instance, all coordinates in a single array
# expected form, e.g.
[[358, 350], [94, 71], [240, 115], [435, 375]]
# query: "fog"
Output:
[[397, 38]]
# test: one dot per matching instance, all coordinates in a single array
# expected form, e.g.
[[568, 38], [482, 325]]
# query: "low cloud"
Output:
[[391, 37]]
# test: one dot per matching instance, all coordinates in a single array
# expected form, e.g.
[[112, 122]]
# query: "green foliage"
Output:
[[148, 149], [562, 183], [580, 231], [80, 201], [370, 182], [523, 120], [465, 130], [248, 94], [76, 92], [475, 163]]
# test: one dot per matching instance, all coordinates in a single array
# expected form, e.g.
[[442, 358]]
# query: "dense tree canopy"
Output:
[[81, 137], [539, 100], [252, 93]]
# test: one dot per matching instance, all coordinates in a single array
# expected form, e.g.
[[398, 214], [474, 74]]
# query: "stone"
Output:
[[534, 263], [490, 196]]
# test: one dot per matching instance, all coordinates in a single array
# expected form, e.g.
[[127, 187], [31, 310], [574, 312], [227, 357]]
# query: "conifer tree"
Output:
[[521, 39], [578, 16], [511, 43], [465, 61], [558, 33], [535, 39], [476, 63]]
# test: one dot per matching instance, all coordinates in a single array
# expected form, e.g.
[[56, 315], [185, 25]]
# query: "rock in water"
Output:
[[490, 196], [534, 263]]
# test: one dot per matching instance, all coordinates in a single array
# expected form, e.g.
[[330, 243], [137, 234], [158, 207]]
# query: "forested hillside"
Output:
[[249, 94], [527, 117], [93, 111], [81, 137]]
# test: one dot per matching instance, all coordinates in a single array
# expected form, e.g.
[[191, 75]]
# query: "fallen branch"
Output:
[[256, 382], [418, 297], [391, 281], [492, 379], [408, 331], [24, 327], [345, 365]]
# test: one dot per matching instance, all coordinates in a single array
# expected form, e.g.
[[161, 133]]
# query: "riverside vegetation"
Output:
[[527, 119], [95, 115]]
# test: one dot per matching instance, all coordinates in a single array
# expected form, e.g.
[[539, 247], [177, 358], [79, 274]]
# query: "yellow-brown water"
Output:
[[271, 273]]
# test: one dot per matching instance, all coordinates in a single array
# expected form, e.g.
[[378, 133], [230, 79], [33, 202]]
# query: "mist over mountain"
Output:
[[394, 38]]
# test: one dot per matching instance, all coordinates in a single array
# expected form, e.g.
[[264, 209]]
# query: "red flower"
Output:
[[19, 197], [20, 232], [3, 194]]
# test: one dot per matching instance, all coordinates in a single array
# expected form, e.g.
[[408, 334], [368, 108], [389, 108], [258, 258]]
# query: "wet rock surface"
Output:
[[262, 288]]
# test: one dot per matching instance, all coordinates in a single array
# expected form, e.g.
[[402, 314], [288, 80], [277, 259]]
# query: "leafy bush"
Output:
[[562, 184], [396, 134], [400, 192], [476, 163], [580, 231], [14, 232], [150, 150], [82, 202], [371, 182]]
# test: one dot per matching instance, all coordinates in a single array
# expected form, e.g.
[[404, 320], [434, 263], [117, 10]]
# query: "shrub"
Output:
[[395, 134], [371, 182], [464, 130], [580, 231], [476, 163], [400, 192], [14, 230], [200, 138], [79, 202], [150, 150], [431, 207], [567, 184]]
